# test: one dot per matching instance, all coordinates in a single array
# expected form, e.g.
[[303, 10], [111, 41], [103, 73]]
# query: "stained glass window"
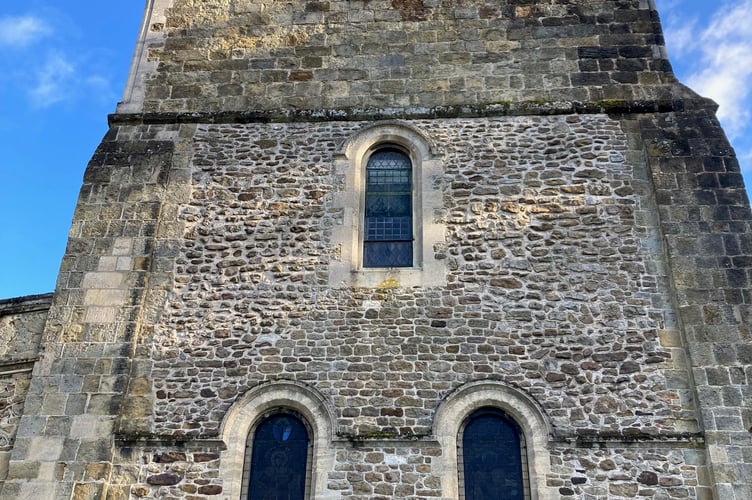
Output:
[[388, 238], [491, 454], [279, 459]]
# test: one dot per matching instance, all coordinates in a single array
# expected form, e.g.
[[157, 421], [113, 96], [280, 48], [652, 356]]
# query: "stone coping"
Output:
[[528, 108], [12, 366], [28, 303]]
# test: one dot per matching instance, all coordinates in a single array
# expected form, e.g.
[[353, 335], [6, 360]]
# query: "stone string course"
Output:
[[402, 471]]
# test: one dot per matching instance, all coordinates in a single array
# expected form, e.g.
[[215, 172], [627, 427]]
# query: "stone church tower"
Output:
[[394, 249]]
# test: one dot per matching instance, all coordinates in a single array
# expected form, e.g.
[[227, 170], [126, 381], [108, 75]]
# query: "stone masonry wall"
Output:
[[704, 213], [555, 283], [596, 264], [64, 443], [404, 470], [22, 322], [276, 57]]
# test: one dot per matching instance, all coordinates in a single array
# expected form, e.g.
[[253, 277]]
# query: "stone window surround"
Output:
[[458, 406], [253, 407], [349, 164]]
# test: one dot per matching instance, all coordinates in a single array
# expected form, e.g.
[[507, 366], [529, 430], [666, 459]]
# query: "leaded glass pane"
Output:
[[388, 204], [279, 459], [388, 210], [389, 228], [388, 253], [491, 457]]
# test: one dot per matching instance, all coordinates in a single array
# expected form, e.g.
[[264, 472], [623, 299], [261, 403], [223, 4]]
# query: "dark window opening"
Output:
[[388, 236], [279, 459], [492, 458]]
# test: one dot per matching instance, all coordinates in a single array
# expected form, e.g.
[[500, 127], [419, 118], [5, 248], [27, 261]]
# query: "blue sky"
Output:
[[63, 66]]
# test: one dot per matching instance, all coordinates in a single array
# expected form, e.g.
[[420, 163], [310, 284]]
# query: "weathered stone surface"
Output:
[[439, 55], [163, 479], [258, 229], [648, 478], [166, 458], [211, 489], [594, 248]]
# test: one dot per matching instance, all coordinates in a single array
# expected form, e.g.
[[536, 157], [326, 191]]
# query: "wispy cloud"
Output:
[[55, 81], [727, 73], [20, 31], [680, 35], [745, 158], [44, 60]]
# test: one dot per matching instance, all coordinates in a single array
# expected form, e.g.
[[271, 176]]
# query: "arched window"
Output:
[[389, 231], [492, 457], [279, 459], [388, 235]]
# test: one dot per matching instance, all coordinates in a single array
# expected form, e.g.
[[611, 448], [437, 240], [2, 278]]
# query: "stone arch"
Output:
[[461, 403], [406, 135], [245, 414]]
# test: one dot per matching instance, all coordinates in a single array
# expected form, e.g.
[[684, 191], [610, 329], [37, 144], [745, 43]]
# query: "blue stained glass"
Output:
[[279, 459], [388, 254], [492, 460], [387, 240]]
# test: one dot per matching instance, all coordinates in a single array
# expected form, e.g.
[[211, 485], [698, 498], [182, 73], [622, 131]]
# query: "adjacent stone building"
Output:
[[394, 249]]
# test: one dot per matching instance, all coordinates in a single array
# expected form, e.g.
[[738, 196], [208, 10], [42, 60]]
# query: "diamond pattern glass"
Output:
[[278, 459], [388, 234], [492, 457]]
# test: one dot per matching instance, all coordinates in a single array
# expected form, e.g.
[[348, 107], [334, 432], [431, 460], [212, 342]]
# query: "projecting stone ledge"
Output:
[[526, 108]]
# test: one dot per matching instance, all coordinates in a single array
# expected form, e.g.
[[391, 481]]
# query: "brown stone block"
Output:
[[623, 489], [205, 457], [166, 479], [88, 491], [300, 76], [136, 407], [97, 471], [118, 492], [210, 489], [170, 457], [140, 491], [140, 386]]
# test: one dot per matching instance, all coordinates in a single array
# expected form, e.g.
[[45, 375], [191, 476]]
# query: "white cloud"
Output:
[[680, 31], [726, 64], [728, 82], [745, 159], [62, 80], [22, 30], [50, 71], [55, 81], [680, 37]]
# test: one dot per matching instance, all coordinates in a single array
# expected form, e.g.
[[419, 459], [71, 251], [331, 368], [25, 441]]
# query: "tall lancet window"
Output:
[[279, 459], [493, 463], [388, 235]]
